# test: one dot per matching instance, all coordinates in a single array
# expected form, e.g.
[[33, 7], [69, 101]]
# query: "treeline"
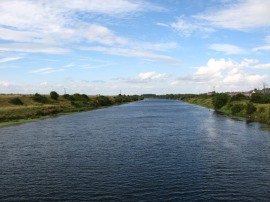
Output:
[[38, 105]]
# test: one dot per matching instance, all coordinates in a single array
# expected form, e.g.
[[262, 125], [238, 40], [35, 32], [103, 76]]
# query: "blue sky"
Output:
[[134, 46]]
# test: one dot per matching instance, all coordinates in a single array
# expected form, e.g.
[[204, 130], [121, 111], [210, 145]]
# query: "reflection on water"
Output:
[[153, 150]]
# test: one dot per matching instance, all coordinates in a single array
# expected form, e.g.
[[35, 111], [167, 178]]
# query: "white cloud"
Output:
[[3, 60], [5, 83], [47, 70], [97, 6], [32, 48], [228, 49], [149, 77], [184, 26], [187, 26], [102, 35], [27, 25], [50, 14], [145, 77], [127, 52], [267, 39], [55, 27], [240, 15], [226, 75], [154, 46], [262, 66], [264, 47], [237, 15]]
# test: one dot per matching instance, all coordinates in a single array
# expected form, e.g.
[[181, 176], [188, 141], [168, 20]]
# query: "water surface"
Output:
[[152, 150]]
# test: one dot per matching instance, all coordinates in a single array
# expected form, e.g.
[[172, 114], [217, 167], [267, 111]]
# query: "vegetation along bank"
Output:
[[24, 108], [254, 108]]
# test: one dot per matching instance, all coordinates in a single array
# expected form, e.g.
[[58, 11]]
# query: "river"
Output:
[[152, 150]]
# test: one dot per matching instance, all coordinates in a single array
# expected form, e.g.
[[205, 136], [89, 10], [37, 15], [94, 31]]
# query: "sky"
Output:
[[134, 46]]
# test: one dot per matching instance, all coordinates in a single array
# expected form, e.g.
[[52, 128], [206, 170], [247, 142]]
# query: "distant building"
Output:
[[266, 90], [248, 93], [232, 93], [211, 93]]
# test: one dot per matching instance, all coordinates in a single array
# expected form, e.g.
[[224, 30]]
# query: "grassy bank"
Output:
[[240, 107], [16, 109]]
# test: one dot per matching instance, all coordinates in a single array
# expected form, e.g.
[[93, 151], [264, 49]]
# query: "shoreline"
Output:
[[36, 119], [257, 117], [31, 111]]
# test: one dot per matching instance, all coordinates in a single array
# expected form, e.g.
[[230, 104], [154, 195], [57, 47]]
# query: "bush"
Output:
[[80, 97], [39, 98], [260, 98], [238, 97], [16, 101], [250, 108], [220, 100], [68, 97], [237, 108], [54, 95], [77, 97], [84, 96], [104, 101]]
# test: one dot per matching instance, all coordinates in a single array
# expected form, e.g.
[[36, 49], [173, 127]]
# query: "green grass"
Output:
[[31, 110], [262, 113]]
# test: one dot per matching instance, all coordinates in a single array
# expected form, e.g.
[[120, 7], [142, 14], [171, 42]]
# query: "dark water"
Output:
[[153, 150]]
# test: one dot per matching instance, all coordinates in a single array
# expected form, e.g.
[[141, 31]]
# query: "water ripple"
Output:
[[154, 150]]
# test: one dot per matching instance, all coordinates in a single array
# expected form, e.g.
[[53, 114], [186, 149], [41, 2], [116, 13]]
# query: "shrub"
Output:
[[260, 98], [104, 101], [250, 108], [80, 97], [16, 101], [219, 100], [39, 98], [118, 99], [77, 96], [84, 96], [237, 108], [68, 97], [238, 97], [54, 95]]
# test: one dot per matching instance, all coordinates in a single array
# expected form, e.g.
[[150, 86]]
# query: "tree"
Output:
[[54, 95], [220, 100]]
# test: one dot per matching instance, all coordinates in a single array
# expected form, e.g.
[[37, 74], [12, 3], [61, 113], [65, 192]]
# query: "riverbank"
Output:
[[234, 108], [17, 109]]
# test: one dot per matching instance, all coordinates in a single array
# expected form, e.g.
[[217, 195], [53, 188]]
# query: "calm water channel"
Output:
[[152, 150]]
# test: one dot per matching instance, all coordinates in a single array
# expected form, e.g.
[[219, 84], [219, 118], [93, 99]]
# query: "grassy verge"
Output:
[[237, 108], [17, 109]]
